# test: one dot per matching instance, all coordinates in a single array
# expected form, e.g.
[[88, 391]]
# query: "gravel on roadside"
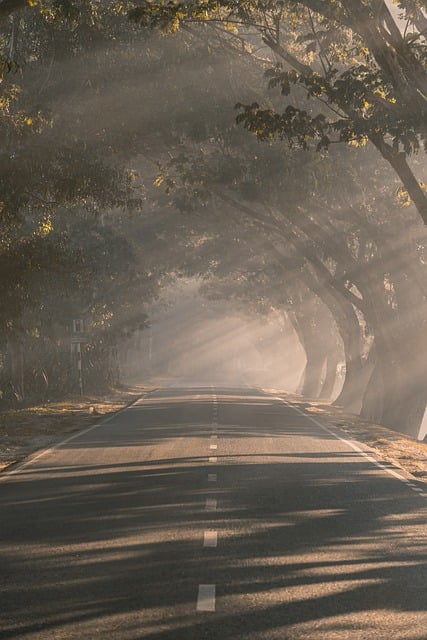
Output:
[[27, 430]]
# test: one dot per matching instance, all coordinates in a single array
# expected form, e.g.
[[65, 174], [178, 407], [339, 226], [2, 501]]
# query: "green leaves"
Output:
[[358, 90], [294, 125], [168, 15], [281, 79]]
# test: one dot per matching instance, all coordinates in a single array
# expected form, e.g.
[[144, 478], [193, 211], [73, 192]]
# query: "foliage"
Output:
[[123, 169], [61, 173], [369, 77]]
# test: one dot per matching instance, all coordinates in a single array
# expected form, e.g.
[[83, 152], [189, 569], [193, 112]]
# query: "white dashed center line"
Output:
[[210, 539], [206, 597]]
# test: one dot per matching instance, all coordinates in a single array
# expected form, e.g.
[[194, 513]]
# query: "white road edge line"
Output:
[[349, 443], [206, 597], [6, 474]]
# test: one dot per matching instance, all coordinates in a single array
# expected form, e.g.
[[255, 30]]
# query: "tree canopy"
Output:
[[123, 168], [354, 58]]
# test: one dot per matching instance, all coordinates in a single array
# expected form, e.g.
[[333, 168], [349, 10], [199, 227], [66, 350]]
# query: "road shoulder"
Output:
[[26, 431], [391, 446]]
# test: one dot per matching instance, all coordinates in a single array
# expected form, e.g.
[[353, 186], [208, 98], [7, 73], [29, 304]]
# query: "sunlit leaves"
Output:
[[168, 15], [361, 141], [159, 181], [359, 89], [283, 79], [45, 227], [369, 78], [294, 125], [8, 97], [403, 197]]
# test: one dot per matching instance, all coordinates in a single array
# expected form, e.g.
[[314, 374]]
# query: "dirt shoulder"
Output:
[[402, 451], [25, 431], [391, 446]]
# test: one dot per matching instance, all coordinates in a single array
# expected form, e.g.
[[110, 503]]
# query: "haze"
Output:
[[213, 320]]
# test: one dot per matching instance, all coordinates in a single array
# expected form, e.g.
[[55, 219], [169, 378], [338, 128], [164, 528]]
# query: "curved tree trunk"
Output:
[[399, 163], [349, 329], [404, 382], [310, 382], [373, 401], [313, 375], [397, 390], [334, 295], [294, 322], [391, 389], [393, 400], [328, 385]]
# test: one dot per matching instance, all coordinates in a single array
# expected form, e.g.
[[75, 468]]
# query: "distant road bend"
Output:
[[211, 513]]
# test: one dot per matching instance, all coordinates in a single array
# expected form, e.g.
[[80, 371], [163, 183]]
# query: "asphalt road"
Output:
[[211, 514]]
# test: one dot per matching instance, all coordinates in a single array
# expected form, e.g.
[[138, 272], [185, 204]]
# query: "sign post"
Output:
[[78, 337]]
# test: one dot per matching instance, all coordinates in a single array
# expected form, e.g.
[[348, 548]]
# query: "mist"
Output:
[[213, 319], [285, 249], [194, 341]]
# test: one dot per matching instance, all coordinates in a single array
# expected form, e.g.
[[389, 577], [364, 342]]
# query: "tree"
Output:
[[352, 57], [60, 176], [346, 248], [356, 253]]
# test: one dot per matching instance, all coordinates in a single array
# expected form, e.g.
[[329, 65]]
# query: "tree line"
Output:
[[128, 160]]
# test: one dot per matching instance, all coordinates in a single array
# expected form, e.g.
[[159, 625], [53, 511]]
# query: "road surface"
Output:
[[209, 513]]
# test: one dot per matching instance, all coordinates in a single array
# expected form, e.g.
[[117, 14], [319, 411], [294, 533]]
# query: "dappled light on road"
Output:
[[313, 540]]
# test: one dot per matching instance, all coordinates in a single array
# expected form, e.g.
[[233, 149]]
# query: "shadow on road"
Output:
[[313, 543]]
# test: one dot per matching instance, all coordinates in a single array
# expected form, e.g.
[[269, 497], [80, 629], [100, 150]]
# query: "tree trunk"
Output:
[[328, 385], [310, 383], [351, 394], [373, 401], [406, 415], [391, 401], [349, 329], [397, 390], [16, 359], [313, 375], [400, 165]]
